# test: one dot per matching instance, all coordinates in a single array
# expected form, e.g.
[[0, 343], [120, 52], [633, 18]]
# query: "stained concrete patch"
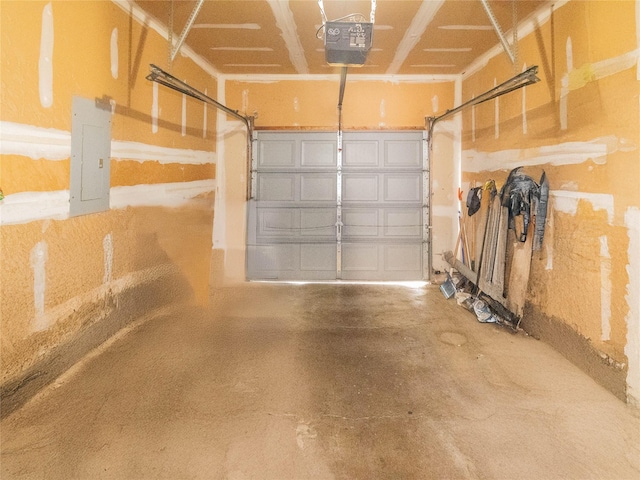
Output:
[[453, 338]]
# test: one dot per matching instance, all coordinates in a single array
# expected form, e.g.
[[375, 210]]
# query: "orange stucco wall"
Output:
[[581, 124], [367, 104], [62, 275]]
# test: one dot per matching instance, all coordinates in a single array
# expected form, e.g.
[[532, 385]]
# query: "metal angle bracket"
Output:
[[186, 29], [499, 32]]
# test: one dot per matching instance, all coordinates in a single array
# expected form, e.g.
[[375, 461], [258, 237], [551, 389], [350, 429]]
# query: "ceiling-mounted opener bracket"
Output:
[[503, 40], [186, 29]]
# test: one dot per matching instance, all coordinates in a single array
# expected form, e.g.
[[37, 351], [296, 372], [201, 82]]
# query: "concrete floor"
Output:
[[323, 381]]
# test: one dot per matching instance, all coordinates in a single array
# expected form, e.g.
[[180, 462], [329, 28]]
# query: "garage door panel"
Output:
[[277, 153], [359, 222], [359, 187], [360, 153], [318, 222], [317, 187], [318, 258], [291, 262], [403, 188], [277, 187], [403, 223], [268, 259], [279, 222], [318, 153], [383, 262], [403, 153], [402, 258], [360, 258]]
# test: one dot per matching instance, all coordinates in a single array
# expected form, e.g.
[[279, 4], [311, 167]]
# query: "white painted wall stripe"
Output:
[[219, 235], [154, 108], [160, 194], [473, 122], [605, 289], [107, 248], [34, 142], [524, 105], [632, 348], [184, 115], [25, 207], [38, 260], [567, 202], [51, 144], [45, 63], [114, 53], [568, 153], [496, 113], [143, 152], [638, 37], [204, 117]]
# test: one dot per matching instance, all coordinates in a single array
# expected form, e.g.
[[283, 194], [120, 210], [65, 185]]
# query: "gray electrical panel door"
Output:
[[90, 157], [323, 213]]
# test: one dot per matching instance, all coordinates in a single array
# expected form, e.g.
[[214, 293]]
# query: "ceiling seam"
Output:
[[412, 36], [287, 25]]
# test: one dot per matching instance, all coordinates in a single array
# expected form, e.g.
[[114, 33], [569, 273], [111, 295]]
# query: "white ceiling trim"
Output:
[[287, 25], [425, 14]]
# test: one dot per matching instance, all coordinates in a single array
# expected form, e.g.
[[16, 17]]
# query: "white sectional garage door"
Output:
[[321, 213]]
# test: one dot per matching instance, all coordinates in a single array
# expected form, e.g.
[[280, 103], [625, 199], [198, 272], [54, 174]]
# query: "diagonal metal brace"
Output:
[[499, 32], [187, 29]]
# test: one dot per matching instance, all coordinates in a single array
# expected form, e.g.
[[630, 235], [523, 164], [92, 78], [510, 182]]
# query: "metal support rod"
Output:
[[496, 26], [186, 29], [528, 77], [343, 82], [160, 76], [163, 78]]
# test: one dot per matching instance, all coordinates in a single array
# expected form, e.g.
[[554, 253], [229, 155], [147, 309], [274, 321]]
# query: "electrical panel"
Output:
[[90, 180], [347, 43]]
